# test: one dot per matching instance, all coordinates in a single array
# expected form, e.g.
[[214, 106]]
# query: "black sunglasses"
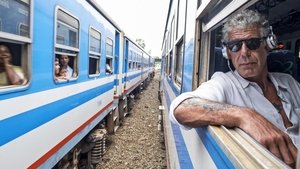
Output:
[[236, 45]]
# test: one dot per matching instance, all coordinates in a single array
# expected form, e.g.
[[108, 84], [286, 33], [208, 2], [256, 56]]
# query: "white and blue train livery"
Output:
[[191, 53], [51, 123]]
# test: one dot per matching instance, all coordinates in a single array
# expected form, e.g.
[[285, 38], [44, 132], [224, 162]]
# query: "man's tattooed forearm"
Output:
[[206, 104]]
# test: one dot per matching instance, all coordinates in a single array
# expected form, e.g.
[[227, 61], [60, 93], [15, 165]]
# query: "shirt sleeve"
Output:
[[210, 90]]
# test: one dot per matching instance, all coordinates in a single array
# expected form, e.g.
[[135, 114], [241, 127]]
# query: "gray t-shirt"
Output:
[[231, 88]]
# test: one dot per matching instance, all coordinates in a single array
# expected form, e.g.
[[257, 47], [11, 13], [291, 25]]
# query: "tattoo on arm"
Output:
[[206, 104]]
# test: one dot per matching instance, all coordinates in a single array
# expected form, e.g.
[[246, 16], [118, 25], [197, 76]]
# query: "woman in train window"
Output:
[[265, 105], [9, 74], [64, 61]]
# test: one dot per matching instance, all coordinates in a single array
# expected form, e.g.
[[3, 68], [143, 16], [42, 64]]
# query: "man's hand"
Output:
[[275, 140]]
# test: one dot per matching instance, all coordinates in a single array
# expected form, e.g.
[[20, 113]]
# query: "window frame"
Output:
[[177, 65], [93, 54], [62, 49], [23, 43], [109, 58]]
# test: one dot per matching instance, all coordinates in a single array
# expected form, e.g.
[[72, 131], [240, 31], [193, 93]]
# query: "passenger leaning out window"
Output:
[[64, 61], [9, 74]]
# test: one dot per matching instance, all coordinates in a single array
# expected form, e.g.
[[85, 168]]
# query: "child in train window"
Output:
[[9, 74], [62, 75]]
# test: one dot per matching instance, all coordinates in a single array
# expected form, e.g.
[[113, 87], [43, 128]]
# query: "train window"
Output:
[[14, 16], [129, 64], [130, 59], [67, 30], [167, 63], [109, 56], [170, 58], [13, 13], [94, 52], [217, 61], [109, 47], [178, 61], [13, 67], [167, 41], [67, 44], [181, 18], [172, 33], [219, 6]]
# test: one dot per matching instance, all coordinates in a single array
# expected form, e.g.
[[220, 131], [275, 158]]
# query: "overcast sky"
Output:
[[140, 19]]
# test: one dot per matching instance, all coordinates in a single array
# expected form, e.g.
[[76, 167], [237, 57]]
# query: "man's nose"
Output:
[[245, 51]]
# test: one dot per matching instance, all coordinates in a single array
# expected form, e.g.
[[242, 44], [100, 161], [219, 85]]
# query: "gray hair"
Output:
[[244, 19]]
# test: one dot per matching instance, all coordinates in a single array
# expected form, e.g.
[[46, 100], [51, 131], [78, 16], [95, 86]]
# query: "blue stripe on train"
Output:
[[219, 157], [16, 126], [182, 152], [133, 76]]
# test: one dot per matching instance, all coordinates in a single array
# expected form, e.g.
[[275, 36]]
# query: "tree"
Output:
[[141, 42]]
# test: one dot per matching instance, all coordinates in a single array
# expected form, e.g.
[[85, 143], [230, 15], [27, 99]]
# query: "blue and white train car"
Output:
[[191, 53], [47, 119], [133, 66], [146, 69]]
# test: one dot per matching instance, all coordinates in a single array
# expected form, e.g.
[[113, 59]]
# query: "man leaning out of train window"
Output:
[[9, 74], [263, 104]]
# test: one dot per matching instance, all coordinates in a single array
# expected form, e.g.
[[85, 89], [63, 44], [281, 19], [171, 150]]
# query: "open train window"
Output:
[[94, 52], [14, 69], [66, 45], [14, 45], [178, 61], [170, 59], [109, 56]]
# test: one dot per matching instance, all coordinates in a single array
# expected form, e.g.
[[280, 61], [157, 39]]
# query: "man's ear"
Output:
[[266, 46]]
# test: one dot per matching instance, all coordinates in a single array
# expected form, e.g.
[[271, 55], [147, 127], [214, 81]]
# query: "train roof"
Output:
[[105, 14]]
